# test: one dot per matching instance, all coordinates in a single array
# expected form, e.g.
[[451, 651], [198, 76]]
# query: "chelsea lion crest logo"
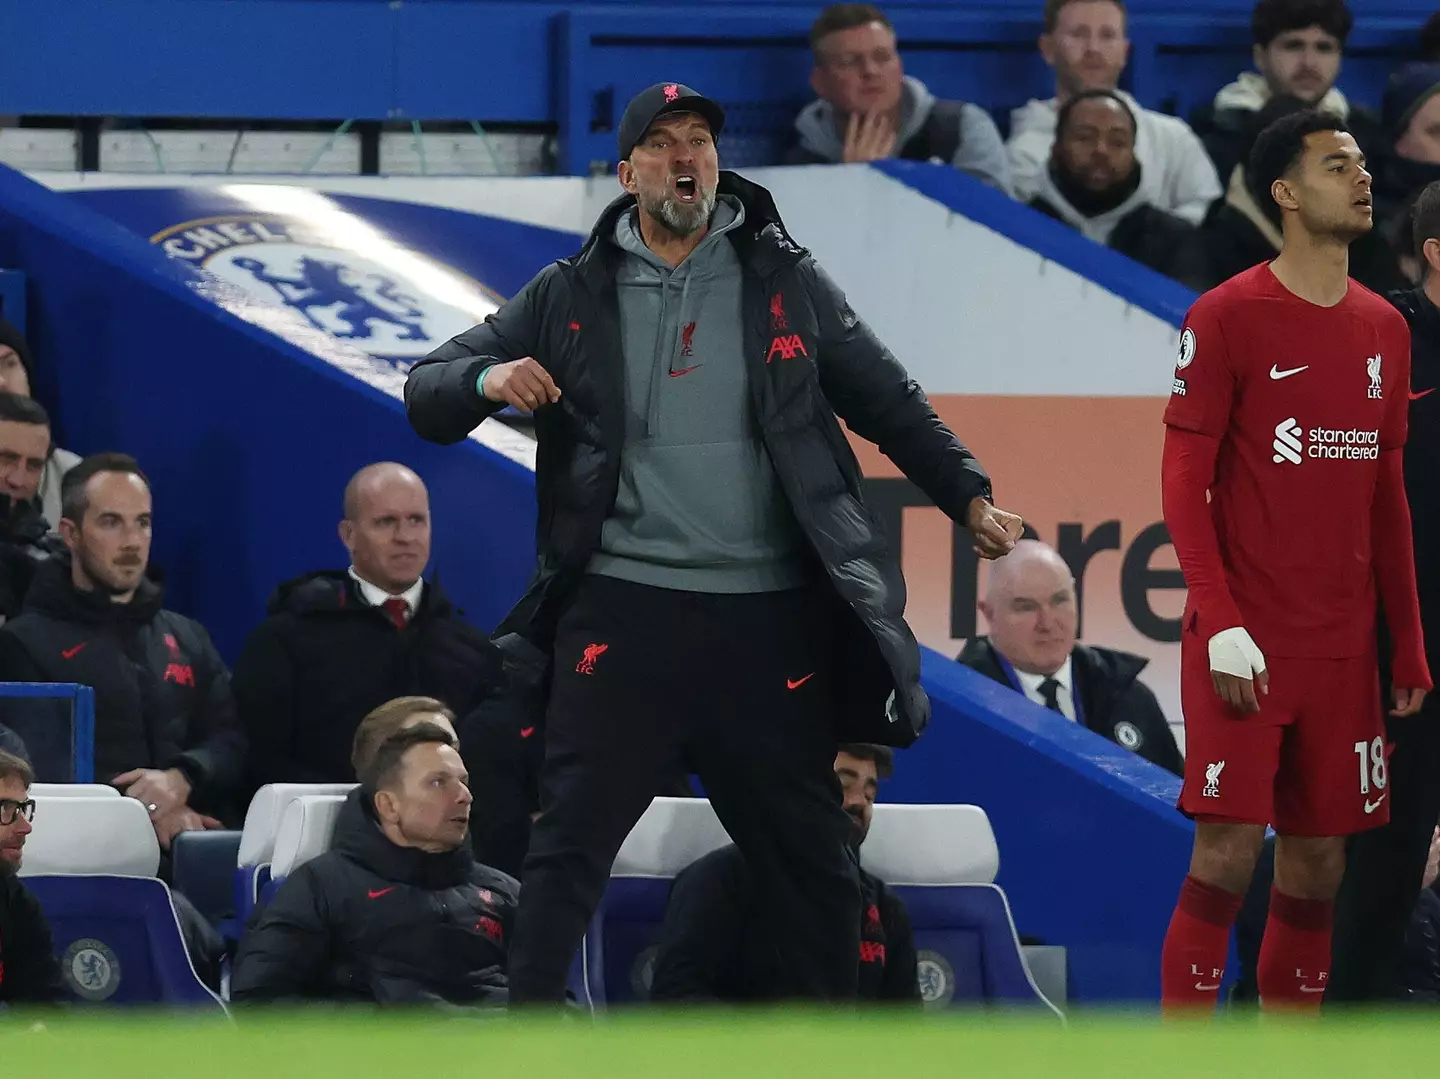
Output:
[[341, 276], [91, 969]]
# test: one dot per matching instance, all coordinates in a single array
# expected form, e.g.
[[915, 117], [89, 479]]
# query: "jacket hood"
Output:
[[334, 591], [1097, 228], [1250, 93], [762, 223], [820, 133], [52, 593], [359, 838]]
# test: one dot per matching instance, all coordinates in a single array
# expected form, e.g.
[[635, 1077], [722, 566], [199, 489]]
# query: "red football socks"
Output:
[[1193, 959], [1295, 955]]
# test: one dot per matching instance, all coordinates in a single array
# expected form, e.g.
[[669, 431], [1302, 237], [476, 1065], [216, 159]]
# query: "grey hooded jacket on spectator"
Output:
[[981, 152]]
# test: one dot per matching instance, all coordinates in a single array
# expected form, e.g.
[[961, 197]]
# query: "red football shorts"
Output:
[[1311, 762]]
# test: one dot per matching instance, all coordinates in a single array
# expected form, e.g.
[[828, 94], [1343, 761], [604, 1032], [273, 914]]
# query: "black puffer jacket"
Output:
[[324, 658], [371, 921], [25, 542], [568, 319], [1115, 703], [29, 973], [162, 693]]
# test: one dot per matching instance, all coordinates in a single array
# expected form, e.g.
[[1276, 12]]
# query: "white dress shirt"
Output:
[[1065, 695], [376, 597]]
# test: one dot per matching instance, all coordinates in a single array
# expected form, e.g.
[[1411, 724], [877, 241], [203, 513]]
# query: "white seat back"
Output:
[[73, 790], [305, 832], [112, 836], [931, 844], [673, 833], [262, 820]]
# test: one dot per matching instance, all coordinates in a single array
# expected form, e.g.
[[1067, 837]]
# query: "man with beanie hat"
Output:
[[1410, 115], [17, 376], [711, 591]]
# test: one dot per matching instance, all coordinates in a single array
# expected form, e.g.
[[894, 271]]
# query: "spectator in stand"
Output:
[[1031, 609], [397, 911], [165, 726], [1297, 53], [870, 110], [17, 376], [29, 973], [1093, 184], [1243, 230], [716, 944], [1084, 41], [339, 643], [1410, 161], [25, 536]]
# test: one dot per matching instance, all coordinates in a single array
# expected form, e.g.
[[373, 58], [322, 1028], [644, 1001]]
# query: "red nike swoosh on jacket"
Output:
[[382, 891]]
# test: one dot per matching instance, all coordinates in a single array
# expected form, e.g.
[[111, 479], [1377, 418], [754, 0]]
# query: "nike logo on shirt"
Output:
[[683, 371], [526, 732], [1371, 807], [798, 682], [1278, 374], [380, 892], [71, 653], [1423, 393]]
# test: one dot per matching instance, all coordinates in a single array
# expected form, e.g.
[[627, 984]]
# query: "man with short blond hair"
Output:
[[870, 110], [1085, 43]]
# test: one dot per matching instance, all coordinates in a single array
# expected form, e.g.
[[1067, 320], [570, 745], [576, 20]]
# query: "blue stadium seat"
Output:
[[91, 863], [941, 860], [119, 942], [202, 868], [257, 839]]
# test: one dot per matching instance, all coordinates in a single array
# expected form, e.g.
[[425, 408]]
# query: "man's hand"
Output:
[[1237, 669], [159, 792], [521, 383], [1407, 701], [868, 137], [169, 825], [996, 532]]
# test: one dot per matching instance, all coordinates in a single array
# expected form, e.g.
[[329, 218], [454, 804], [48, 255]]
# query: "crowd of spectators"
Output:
[[1175, 196]]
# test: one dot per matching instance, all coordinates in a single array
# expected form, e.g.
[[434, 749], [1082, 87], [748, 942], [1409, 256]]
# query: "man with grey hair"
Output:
[[1031, 610], [711, 591]]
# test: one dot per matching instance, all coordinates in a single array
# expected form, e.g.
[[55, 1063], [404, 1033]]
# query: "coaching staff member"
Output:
[[712, 592], [1384, 867]]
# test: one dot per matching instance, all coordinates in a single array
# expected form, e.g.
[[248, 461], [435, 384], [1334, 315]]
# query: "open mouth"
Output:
[[1365, 201], [686, 189]]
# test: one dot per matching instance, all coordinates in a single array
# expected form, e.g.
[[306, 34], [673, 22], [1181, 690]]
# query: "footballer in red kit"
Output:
[[1284, 496]]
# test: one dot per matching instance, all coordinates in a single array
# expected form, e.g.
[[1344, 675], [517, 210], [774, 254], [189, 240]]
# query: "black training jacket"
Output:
[[324, 658], [832, 367], [370, 921], [29, 972], [162, 692]]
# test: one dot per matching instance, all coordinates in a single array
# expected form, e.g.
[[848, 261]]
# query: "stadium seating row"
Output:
[[92, 863]]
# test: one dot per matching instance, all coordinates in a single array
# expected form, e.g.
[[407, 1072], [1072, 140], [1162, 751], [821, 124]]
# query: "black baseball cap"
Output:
[[655, 101]]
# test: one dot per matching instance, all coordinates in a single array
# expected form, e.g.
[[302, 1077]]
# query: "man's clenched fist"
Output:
[[521, 383]]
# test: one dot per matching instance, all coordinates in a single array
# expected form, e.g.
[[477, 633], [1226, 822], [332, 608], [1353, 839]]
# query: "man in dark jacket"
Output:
[[165, 727], [711, 588], [1383, 867], [338, 644], [717, 942], [25, 536], [1031, 610], [1243, 229], [1093, 185], [397, 911], [29, 973], [1298, 47]]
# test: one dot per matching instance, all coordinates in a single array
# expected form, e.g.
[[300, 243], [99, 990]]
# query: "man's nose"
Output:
[[23, 826]]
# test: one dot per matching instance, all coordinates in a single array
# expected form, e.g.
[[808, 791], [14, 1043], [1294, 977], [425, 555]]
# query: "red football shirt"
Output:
[[1303, 399]]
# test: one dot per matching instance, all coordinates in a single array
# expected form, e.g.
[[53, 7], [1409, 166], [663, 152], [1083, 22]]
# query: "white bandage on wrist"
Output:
[[1232, 651]]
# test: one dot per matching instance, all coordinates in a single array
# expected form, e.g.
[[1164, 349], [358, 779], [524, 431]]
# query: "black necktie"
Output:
[[1050, 690]]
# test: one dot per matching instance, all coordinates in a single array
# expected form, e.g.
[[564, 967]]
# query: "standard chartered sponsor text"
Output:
[[1327, 443]]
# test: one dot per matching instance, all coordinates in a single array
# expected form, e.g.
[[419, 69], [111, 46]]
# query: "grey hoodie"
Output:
[[699, 507], [981, 153]]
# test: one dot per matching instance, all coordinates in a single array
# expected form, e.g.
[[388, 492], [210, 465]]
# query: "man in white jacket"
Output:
[[1085, 42]]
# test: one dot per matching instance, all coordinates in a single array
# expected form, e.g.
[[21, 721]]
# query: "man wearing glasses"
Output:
[[29, 973]]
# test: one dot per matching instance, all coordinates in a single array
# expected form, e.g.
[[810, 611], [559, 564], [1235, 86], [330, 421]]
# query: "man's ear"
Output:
[[626, 173], [1047, 48], [387, 809], [347, 534], [1284, 195], [70, 534]]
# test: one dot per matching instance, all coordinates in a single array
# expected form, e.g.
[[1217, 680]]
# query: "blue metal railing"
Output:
[[82, 723]]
